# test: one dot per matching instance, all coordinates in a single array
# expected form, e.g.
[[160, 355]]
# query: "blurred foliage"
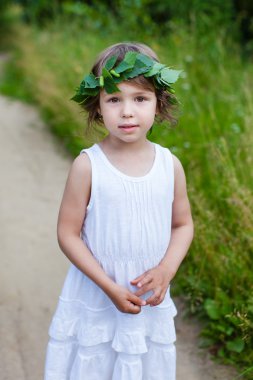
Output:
[[41, 11], [6, 19], [154, 16]]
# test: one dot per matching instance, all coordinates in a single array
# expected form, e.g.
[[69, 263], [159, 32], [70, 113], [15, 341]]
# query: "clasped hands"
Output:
[[155, 279]]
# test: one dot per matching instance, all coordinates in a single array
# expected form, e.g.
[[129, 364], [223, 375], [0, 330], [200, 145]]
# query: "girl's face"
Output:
[[129, 114]]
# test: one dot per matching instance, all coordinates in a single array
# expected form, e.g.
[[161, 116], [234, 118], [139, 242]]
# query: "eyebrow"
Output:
[[142, 92]]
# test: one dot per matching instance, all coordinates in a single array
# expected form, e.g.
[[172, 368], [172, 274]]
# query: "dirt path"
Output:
[[33, 173]]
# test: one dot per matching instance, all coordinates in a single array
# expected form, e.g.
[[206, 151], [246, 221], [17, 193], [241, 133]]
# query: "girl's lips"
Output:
[[128, 126]]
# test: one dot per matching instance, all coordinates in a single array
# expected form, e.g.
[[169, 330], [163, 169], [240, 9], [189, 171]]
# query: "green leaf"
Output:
[[139, 68], [127, 63], [169, 76], [91, 81], [236, 345], [154, 70], [158, 82], [221, 353], [142, 66], [106, 73], [79, 98], [110, 86], [109, 82], [234, 320], [228, 330], [212, 309], [206, 342], [147, 61], [111, 62], [120, 79], [88, 91]]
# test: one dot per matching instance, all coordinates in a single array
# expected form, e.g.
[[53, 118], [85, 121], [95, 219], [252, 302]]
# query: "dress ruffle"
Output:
[[127, 332], [86, 318], [102, 362], [87, 315]]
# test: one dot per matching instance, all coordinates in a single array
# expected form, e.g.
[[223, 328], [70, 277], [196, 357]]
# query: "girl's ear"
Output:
[[99, 114]]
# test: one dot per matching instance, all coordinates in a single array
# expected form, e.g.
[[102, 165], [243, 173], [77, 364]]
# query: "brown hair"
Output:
[[120, 49]]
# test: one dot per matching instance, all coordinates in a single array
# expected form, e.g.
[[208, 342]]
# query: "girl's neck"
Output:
[[131, 159], [124, 147]]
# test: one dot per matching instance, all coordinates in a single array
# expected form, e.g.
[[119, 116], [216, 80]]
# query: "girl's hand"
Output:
[[125, 301], [155, 279]]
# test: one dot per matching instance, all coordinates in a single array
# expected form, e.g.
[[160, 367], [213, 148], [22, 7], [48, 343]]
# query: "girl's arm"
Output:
[[159, 278], [71, 216], [182, 224]]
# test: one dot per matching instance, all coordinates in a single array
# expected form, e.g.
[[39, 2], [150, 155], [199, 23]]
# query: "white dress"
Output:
[[127, 228]]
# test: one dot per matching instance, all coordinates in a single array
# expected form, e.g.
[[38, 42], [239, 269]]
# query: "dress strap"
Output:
[[90, 153], [170, 167]]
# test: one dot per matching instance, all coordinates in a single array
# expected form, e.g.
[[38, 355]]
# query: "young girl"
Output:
[[125, 224]]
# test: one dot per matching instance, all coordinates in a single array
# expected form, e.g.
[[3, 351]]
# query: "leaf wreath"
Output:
[[133, 65]]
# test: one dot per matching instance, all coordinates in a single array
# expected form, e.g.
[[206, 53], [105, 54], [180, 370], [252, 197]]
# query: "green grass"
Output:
[[213, 140]]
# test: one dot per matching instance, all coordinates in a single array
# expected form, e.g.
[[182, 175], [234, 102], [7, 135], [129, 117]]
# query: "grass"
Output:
[[213, 140]]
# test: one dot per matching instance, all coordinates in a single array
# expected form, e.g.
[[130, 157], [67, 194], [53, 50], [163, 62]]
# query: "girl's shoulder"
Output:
[[179, 174], [177, 163], [81, 166], [85, 156]]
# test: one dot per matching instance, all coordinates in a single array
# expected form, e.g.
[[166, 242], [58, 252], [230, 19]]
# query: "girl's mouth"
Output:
[[128, 127]]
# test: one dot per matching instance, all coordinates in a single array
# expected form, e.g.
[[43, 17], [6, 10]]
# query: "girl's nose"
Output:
[[127, 110]]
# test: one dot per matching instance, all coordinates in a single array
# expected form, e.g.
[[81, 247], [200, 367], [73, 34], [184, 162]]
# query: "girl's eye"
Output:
[[140, 99], [113, 100]]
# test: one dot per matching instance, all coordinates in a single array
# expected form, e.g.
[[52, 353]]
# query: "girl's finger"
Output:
[[136, 300], [134, 309], [153, 298], [138, 278], [146, 280], [144, 289]]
